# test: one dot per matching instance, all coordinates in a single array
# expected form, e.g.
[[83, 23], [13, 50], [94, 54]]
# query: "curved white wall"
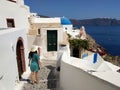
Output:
[[8, 62], [74, 78]]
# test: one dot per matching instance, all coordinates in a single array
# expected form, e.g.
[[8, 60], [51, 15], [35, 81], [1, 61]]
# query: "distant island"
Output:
[[92, 22], [96, 22]]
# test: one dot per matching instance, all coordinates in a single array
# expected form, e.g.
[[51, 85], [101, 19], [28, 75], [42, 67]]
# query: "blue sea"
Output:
[[106, 36]]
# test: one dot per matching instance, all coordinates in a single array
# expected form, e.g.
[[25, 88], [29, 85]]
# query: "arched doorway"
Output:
[[76, 52], [20, 57]]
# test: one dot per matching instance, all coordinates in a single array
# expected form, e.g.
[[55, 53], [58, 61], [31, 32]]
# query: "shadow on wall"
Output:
[[52, 82]]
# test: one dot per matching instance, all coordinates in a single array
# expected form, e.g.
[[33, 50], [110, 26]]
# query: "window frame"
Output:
[[12, 1], [52, 40], [10, 20]]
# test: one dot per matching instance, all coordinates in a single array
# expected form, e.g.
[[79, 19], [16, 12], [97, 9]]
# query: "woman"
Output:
[[34, 63]]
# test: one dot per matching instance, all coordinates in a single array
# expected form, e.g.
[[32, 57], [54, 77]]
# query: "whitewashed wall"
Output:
[[53, 54], [45, 20], [74, 78], [15, 11], [69, 28], [8, 62]]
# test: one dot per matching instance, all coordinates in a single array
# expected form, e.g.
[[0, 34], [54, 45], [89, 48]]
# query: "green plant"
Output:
[[78, 43]]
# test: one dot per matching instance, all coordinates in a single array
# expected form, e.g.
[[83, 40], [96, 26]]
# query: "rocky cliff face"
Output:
[[96, 22], [94, 47]]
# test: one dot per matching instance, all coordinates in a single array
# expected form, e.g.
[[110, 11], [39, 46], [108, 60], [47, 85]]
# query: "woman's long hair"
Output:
[[31, 54]]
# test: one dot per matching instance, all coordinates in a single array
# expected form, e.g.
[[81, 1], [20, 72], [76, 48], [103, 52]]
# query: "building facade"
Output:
[[13, 48], [48, 33], [13, 13]]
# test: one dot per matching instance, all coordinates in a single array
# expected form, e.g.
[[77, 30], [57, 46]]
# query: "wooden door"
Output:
[[52, 40]]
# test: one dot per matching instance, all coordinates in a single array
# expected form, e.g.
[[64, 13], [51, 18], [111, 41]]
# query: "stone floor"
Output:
[[48, 78]]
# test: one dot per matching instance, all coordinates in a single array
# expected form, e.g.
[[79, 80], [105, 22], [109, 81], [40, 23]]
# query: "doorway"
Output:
[[51, 40], [20, 57], [76, 52]]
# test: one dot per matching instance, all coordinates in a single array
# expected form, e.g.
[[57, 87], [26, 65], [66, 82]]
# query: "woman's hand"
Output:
[[40, 64]]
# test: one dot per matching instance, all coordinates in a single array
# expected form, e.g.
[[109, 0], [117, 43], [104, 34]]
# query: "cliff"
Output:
[[96, 22], [102, 51]]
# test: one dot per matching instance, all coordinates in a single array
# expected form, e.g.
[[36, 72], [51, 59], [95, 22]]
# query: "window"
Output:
[[10, 23], [65, 28], [38, 31], [12, 1]]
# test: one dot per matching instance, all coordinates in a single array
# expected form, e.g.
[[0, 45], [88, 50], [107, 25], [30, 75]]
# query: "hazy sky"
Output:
[[76, 9]]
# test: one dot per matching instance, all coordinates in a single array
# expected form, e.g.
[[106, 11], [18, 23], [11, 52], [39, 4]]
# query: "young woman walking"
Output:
[[35, 64]]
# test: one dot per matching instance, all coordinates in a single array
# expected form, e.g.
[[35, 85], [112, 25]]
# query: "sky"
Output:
[[76, 9]]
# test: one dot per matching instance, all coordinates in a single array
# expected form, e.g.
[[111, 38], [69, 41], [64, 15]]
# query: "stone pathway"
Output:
[[48, 79]]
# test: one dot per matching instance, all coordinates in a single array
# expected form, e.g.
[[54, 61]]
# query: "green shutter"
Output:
[[51, 40]]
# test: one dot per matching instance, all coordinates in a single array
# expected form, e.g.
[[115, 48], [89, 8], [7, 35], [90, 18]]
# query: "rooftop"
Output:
[[65, 21]]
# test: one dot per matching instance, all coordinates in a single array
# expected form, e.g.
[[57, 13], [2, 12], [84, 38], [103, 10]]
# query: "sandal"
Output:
[[32, 82], [36, 82]]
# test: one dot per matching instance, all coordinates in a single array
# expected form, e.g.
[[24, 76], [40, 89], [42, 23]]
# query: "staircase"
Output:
[[48, 78]]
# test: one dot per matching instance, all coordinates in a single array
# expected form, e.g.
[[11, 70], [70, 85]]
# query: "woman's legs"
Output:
[[32, 77], [36, 76]]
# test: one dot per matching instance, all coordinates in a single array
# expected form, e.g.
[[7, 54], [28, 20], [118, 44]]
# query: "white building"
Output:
[[75, 73], [47, 33], [13, 13], [13, 42], [68, 27], [66, 24]]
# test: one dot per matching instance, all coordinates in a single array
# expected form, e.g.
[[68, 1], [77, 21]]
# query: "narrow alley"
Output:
[[48, 78]]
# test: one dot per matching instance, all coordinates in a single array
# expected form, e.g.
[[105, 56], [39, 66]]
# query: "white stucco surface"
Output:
[[68, 28], [50, 55], [79, 74], [16, 11], [45, 20], [8, 62], [19, 13], [111, 77]]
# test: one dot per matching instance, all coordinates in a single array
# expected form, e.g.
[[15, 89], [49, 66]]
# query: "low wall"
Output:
[[74, 78]]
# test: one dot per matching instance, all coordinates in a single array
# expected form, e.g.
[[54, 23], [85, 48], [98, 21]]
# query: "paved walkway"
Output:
[[48, 78]]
